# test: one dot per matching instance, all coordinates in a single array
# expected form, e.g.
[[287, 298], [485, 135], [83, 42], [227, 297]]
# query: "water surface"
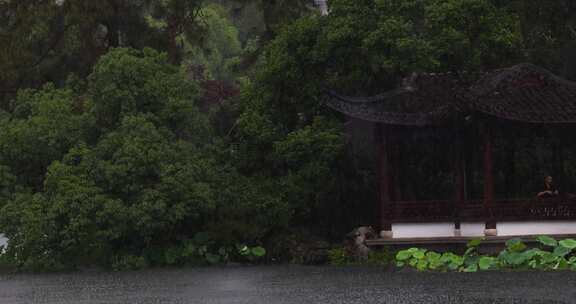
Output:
[[288, 285]]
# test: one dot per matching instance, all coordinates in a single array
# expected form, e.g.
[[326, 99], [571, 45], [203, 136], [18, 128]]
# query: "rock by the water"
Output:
[[355, 242]]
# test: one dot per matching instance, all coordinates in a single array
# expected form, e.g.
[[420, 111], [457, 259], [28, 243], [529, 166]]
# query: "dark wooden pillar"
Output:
[[488, 177], [459, 167], [510, 167], [395, 150], [557, 169], [383, 175]]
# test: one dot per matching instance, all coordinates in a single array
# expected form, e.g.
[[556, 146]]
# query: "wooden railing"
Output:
[[560, 208]]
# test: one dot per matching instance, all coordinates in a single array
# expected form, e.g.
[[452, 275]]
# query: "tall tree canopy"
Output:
[[46, 40], [368, 46]]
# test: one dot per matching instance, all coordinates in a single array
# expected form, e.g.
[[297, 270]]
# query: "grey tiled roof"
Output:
[[524, 92]]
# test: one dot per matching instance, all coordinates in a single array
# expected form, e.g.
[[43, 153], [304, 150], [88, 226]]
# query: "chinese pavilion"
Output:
[[469, 109]]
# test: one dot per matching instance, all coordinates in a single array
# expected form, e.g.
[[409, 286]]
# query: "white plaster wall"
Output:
[[533, 228], [405, 230], [472, 229]]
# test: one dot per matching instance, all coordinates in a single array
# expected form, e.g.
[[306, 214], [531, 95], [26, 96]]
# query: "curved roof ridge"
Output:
[[498, 78], [523, 92], [369, 99]]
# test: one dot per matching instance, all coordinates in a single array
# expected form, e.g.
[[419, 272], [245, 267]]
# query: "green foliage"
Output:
[[387, 39], [341, 257], [219, 56], [7, 184], [308, 153], [118, 166], [263, 17], [546, 240], [251, 253], [423, 259], [568, 243], [472, 34], [285, 133], [486, 263], [202, 249], [128, 82], [128, 262], [515, 245], [548, 33], [44, 125], [48, 40], [101, 178], [514, 256], [382, 257]]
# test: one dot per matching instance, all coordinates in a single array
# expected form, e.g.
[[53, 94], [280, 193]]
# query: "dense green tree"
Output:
[[264, 17], [127, 82], [45, 124], [126, 167], [47, 40], [132, 143], [362, 47], [548, 32], [220, 55]]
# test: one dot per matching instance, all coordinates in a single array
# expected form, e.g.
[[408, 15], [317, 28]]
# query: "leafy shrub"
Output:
[[555, 255], [382, 257], [423, 259], [128, 262], [203, 250], [340, 257]]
